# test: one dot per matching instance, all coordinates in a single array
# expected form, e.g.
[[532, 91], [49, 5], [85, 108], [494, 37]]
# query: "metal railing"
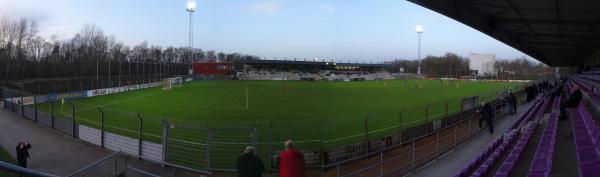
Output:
[[117, 164], [11, 168], [409, 156]]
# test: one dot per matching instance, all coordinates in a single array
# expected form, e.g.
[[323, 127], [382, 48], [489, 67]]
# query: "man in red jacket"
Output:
[[291, 163]]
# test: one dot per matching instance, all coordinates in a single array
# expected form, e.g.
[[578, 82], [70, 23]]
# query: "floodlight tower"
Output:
[[420, 31], [191, 8]]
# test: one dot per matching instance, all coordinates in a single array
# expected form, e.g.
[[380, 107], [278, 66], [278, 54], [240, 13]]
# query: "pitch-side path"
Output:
[[457, 159], [56, 153]]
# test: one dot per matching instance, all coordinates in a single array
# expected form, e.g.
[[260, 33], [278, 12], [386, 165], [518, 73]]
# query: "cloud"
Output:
[[327, 8], [269, 8]]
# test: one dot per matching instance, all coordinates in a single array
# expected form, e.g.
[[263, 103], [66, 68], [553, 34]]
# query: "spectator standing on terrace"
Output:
[[291, 161], [23, 153], [249, 164], [512, 100], [487, 114], [573, 101]]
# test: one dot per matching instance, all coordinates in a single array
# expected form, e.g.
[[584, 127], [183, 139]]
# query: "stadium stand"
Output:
[[586, 134], [303, 70], [509, 163], [542, 161], [503, 154], [262, 74]]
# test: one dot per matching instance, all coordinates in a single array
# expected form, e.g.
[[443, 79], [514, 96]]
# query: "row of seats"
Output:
[[586, 87], [531, 113], [509, 163], [489, 163], [591, 77], [489, 157], [507, 167], [489, 151], [542, 161], [586, 135], [485, 162], [584, 84]]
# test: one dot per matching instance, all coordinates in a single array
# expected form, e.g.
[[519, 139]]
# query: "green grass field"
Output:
[[314, 114]]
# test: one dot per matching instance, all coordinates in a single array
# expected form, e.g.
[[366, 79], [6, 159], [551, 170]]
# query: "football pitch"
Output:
[[314, 114]]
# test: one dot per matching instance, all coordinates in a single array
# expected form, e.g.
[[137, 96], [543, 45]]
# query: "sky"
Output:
[[348, 30]]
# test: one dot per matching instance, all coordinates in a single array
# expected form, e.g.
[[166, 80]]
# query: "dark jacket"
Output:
[[574, 99], [249, 165], [487, 112], [512, 99], [22, 152]]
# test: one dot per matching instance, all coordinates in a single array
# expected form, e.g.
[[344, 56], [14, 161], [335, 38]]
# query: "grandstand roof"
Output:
[[319, 63], [558, 33]]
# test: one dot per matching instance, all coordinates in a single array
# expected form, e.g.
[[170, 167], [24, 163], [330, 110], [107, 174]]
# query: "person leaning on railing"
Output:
[[487, 114], [249, 164], [291, 161]]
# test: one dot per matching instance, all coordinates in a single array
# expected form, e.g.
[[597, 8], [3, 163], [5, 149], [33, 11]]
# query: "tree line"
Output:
[[452, 65], [91, 54]]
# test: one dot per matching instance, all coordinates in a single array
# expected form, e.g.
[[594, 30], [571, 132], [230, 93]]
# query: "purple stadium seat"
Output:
[[589, 170]]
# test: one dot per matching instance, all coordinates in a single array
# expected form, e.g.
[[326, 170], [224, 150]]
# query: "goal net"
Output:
[[170, 83]]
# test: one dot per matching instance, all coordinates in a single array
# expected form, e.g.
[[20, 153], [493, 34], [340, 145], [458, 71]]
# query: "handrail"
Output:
[[93, 164], [142, 172], [395, 146], [170, 164], [403, 143], [20, 170]]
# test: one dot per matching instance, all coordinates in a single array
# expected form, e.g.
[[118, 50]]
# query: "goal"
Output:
[[170, 83]]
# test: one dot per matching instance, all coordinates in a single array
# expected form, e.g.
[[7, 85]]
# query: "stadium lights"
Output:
[[191, 6], [420, 31]]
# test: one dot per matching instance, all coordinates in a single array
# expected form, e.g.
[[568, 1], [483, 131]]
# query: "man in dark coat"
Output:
[[513, 102], [249, 165], [23, 153], [487, 114], [574, 98], [572, 101]]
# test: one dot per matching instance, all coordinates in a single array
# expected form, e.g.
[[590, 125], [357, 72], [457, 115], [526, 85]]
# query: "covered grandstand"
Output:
[[297, 70]]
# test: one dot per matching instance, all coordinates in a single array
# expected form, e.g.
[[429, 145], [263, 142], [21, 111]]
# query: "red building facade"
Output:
[[213, 68]]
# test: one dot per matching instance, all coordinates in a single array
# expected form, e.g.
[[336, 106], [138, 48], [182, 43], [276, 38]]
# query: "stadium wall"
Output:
[[147, 150]]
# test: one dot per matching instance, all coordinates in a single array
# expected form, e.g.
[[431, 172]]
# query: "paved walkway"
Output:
[[457, 159], [51, 152], [56, 153]]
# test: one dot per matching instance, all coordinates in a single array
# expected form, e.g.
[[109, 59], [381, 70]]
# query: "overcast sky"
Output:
[[342, 29]]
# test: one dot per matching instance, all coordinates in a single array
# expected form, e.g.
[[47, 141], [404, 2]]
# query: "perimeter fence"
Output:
[[216, 146]]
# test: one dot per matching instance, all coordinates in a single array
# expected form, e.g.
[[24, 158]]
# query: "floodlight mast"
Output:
[[420, 31], [191, 8]]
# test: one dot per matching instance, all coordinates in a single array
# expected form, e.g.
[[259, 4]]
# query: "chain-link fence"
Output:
[[216, 146]]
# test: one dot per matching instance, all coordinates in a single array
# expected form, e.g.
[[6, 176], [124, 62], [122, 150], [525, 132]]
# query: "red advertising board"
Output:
[[213, 68]]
